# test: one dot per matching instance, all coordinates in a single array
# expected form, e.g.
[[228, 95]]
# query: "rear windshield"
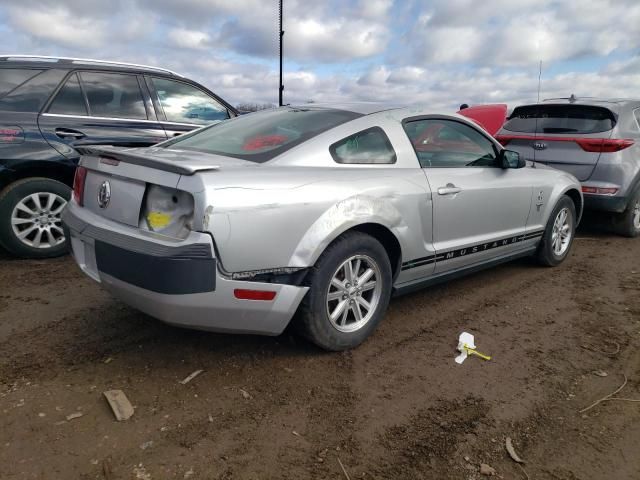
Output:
[[261, 136], [560, 119]]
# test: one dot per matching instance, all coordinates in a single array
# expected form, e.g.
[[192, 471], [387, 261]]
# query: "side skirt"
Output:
[[445, 277]]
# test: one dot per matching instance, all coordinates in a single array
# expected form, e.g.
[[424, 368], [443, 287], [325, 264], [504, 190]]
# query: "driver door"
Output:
[[479, 208]]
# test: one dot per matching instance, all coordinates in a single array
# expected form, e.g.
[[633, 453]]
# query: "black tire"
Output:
[[312, 320], [546, 254], [627, 223], [10, 197]]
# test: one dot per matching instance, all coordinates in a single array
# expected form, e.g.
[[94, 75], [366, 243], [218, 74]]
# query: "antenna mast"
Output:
[[280, 36], [539, 79]]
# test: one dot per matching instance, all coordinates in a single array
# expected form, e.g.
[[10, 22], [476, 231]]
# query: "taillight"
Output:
[[603, 145], [78, 185], [503, 139], [594, 145]]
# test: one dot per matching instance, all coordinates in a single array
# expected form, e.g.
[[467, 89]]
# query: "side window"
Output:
[[369, 146], [113, 95], [69, 100], [447, 143], [183, 103]]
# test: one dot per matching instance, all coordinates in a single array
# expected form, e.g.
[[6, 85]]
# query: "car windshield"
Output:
[[262, 136], [560, 119]]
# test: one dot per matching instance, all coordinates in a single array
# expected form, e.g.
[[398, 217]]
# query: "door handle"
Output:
[[68, 133], [450, 189]]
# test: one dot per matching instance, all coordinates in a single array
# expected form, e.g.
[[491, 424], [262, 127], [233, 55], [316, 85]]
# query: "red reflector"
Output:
[[600, 190], [78, 185], [243, 294], [604, 145]]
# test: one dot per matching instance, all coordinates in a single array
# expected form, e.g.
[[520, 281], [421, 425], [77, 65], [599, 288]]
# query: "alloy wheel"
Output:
[[36, 220], [561, 233], [354, 293]]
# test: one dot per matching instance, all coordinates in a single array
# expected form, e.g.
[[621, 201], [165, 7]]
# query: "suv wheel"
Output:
[[350, 287], [558, 236], [627, 223], [30, 217]]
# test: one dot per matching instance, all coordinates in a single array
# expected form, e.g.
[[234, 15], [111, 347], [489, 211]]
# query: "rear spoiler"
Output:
[[115, 155], [490, 117]]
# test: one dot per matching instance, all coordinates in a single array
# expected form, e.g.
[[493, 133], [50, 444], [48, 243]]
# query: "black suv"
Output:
[[51, 105]]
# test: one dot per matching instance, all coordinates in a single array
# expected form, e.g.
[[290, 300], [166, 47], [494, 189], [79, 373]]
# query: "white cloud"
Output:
[[184, 38], [59, 25]]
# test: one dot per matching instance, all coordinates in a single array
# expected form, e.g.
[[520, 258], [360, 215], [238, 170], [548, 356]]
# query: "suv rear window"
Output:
[[560, 119], [261, 136]]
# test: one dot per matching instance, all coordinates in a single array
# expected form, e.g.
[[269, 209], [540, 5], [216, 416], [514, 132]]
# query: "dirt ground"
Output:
[[398, 407]]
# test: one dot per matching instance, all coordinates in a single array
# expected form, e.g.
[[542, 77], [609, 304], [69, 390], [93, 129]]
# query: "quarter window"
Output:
[[447, 143], [183, 103], [31, 95], [113, 95], [368, 146], [10, 78], [69, 100]]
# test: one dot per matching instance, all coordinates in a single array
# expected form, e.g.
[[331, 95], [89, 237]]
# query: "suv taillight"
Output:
[[78, 185], [603, 145], [596, 145]]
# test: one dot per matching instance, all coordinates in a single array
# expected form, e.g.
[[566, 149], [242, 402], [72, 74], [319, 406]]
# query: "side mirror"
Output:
[[511, 159]]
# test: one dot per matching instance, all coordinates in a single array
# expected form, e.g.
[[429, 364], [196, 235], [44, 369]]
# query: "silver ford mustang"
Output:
[[316, 213]]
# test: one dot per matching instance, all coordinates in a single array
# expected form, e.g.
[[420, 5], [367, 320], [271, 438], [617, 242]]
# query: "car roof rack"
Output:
[[84, 61]]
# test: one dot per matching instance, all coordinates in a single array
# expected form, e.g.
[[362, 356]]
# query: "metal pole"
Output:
[[281, 35]]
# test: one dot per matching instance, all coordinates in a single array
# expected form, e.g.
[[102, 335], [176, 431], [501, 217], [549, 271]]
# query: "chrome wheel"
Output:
[[561, 233], [636, 215], [354, 293], [36, 220]]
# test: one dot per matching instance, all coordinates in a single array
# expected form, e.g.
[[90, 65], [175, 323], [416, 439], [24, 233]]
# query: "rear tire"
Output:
[[627, 223], [559, 234], [341, 309], [30, 211]]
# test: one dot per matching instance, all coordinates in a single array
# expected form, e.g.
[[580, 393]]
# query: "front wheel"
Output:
[[627, 223], [559, 234], [350, 287], [30, 217]]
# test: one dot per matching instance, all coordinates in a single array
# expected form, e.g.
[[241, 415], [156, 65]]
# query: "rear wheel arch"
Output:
[[382, 234], [388, 240], [578, 203]]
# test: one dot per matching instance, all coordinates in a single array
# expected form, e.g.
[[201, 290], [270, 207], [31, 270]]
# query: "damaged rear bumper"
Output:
[[176, 281]]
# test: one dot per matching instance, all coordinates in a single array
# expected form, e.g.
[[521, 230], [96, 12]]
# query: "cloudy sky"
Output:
[[436, 52]]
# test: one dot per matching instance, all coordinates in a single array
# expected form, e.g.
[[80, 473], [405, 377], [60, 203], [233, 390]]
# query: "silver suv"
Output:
[[596, 140]]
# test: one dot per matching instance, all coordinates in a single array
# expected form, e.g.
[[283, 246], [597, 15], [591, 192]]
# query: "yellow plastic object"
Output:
[[158, 219], [471, 351]]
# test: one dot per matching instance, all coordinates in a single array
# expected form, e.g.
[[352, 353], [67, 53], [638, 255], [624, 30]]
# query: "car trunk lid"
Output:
[[139, 187], [577, 155]]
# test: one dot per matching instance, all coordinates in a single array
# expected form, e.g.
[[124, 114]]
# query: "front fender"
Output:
[[344, 215]]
